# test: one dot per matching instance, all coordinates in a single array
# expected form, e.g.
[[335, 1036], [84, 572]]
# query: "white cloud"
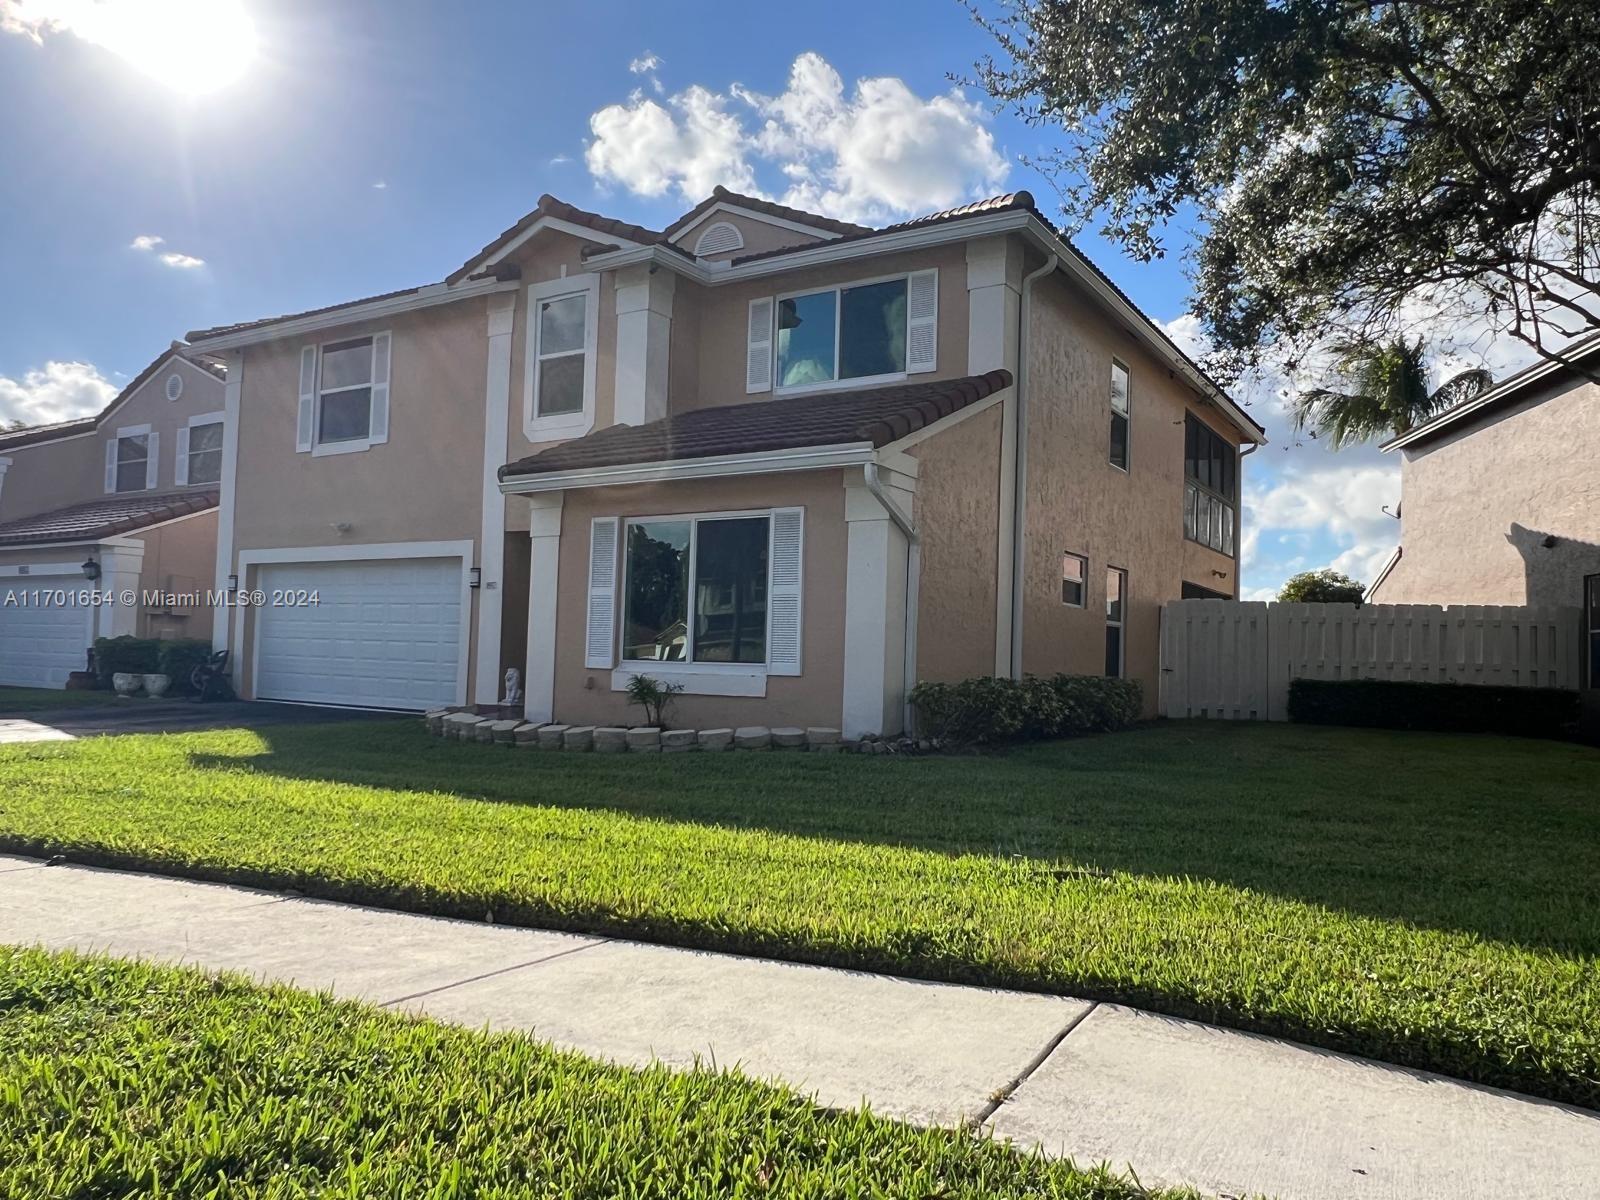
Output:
[[1339, 509], [560, 160], [874, 152], [183, 262], [58, 391], [381, 185], [146, 241], [645, 63]]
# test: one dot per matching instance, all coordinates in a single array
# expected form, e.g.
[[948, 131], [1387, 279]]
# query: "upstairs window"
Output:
[[1119, 415], [344, 395], [881, 329], [559, 390], [131, 463], [202, 458], [562, 341], [1211, 484]]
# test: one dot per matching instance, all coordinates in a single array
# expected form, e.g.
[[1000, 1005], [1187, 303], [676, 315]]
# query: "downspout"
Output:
[[1020, 478], [913, 582], [1238, 520]]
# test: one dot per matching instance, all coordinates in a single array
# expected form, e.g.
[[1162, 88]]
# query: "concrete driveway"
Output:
[[165, 716]]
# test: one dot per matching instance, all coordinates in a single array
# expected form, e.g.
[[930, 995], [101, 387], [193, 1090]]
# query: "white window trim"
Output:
[[1127, 441], [1121, 623], [210, 418], [836, 384], [565, 425], [321, 449], [700, 679], [1083, 582], [128, 431]]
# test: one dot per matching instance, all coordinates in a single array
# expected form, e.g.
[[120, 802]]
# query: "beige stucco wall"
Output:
[[1079, 502], [759, 236], [584, 696], [179, 557], [50, 475], [724, 316], [1478, 505], [957, 513]]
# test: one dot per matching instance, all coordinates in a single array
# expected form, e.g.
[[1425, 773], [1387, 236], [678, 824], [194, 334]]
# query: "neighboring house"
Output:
[[1501, 498], [128, 496], [790, 463]]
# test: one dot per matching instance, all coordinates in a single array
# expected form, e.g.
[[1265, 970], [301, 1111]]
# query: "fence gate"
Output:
[[1234, 659]]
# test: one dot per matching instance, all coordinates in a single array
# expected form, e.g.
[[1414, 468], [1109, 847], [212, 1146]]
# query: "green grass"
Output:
[[27, 700], [123, 1079], [1428, 899]]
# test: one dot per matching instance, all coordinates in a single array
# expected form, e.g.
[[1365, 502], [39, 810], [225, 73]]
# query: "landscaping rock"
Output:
[[644, 741], [817, 736], [716, 739], [610, 739], [503, 731], [578, 737], [676, 741], [526, 735], [484, 729], [550, 736], [434, 720], [461, 725], [787, 737], [752, 737]]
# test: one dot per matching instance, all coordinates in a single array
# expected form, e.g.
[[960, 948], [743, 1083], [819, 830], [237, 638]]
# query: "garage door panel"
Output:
[[41, 644], [384, 634]]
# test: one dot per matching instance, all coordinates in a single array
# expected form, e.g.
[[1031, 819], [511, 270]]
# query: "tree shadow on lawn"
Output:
[[1492, 836]]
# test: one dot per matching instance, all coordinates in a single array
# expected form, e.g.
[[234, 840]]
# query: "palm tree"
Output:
[[1389, 393]]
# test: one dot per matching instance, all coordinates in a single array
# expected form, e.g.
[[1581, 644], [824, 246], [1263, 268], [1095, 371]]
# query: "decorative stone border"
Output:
[[487, 724]]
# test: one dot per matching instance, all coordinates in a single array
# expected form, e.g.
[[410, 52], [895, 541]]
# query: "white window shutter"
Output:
[[111, 466], [180, 465], [759, 348], [922, 322], [379, 429], [152, 465], [308, 398], [783, 598], [599, 650]]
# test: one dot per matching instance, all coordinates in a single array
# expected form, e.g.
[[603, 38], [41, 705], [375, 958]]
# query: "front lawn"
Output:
[[16, 700], [1428, 899], [122, 1079]]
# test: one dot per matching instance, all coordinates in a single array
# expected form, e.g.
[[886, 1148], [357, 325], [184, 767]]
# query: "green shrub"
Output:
[[179, 658], [125, 654], [987, 711], [1442, 707]]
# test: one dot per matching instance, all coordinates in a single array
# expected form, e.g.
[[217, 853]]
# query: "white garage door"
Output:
[[40, 643], [384, 633]]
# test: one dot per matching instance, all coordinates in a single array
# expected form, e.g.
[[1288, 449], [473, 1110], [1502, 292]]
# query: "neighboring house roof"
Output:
[[873, 416], [721, 195], [1510, 391], [96, 519], [59, 429], [550, 207], [1018, 201], [195, 335]]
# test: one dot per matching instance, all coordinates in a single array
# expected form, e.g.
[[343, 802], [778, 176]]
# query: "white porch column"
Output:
[[644, 334], [221, 614], [544, 531], [874, 606], [492, 539], [120, 565], [994, 296]]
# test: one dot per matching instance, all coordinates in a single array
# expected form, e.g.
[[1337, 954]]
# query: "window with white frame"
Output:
[[132, 460], [695, 590], [1074, 579], [1211, 483], [344, 395], [1116, 613], [1121, 403], [203, 455], [562, 315], [872, 330]]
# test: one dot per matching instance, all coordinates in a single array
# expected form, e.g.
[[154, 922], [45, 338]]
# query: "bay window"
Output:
[[695, 590], [1211, 481]]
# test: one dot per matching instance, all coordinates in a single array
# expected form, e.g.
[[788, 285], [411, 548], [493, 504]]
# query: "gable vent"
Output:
[[719, 239]]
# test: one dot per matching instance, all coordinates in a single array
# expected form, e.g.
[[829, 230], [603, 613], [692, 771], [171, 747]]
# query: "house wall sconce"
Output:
[[475, 577], [233, 583], [91, 570]]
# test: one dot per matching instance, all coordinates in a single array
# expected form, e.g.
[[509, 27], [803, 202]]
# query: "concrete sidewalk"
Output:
[[1180, 1102]]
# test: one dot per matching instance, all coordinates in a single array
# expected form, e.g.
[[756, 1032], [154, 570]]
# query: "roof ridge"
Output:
[[771, 208]]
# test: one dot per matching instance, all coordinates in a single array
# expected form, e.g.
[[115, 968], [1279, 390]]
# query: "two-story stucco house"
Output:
[[1500, 498], [123, 502], [788, 462]]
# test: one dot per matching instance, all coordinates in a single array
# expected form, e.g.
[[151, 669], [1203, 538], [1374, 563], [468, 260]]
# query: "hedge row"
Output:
[[1442, 707], [986, 711], [147, 656]]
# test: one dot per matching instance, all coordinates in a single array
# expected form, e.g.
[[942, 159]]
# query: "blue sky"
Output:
[[369, 145]]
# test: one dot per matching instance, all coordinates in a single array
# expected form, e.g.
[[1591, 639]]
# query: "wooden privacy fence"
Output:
[[1234, 659]]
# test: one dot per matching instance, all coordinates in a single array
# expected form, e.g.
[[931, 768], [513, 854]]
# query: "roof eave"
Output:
[[764, 462]]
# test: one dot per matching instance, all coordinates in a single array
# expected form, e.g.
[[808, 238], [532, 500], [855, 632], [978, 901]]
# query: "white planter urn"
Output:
[[125, 683], [155, 686]]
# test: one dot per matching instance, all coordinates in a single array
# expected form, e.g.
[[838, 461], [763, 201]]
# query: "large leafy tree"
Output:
[[1326, 586], [1385, 392], [1351, 162]]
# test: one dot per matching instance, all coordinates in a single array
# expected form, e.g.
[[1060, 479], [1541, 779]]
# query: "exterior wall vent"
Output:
[[719, 239]]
